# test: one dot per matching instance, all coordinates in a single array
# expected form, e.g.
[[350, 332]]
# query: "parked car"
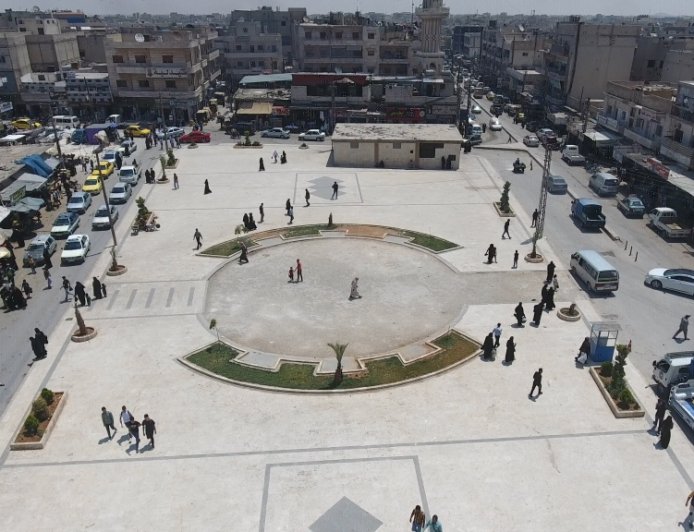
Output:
[[65, 224], [108, 156], [677, 280], [557, 184], [137, 131], [668, 224], [474, 140], [196, 137], [129, 174], [312, 134], [75, 250], [490, 96], [101, 220], [632, 206], [546, 136], [25, 123], [106, 169], [531, 141], [79, 202], [174, 132], [120, 193], [571, 156], [494, 124], [37, 249], [275, 133], [130, 145], [93, 185], [476, 109]]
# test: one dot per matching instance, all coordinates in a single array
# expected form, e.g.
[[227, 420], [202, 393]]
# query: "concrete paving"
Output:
[[468, 444]]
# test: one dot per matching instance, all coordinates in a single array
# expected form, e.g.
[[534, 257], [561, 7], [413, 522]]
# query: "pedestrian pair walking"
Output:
[[126, 418]]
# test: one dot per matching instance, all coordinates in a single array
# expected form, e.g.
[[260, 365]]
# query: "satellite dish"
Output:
[[139, 37]]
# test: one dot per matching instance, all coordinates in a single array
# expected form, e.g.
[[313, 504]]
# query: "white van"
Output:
[[66, 122], [604, 184], [476, 129], [590, 267], [673, 369]]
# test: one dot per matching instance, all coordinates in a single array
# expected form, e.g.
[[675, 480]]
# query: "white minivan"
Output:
[[604, 184], [591, 268], [66, 122]]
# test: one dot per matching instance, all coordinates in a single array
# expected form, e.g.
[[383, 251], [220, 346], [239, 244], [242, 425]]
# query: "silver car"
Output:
[[276, 133], [531, 141], [101, 219], [129, 174], [79, 202], [120, 193], [557, 184], [677, 280]]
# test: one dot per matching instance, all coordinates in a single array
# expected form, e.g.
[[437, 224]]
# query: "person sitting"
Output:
[[583, 352]]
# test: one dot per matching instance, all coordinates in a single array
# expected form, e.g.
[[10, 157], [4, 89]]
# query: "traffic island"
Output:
[[119, 270], [83, 333], [570, 313], [39, 422], [534, 258]]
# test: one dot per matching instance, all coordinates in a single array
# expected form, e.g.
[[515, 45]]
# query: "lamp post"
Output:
[[542, 207], [103, 142]]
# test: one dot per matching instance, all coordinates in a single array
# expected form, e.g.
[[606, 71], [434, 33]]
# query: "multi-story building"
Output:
[[161, 74], [248, 50], [663, 59], [14, 63], [30, 22], [54, 52], [472, 43], [638, 110], [584, 57], [678, 143], [88, 94]]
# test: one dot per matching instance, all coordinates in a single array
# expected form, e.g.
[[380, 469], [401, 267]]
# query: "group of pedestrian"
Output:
[[81, 295], [127, 420], [298, 271], [662, 426], [493, 340], [283, 159], [419, 523], [249, 222]]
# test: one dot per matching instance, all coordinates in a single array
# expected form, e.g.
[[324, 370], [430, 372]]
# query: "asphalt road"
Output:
[[45, 308]]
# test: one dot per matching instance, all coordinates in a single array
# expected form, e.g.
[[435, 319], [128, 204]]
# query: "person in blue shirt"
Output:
[[434, 525]]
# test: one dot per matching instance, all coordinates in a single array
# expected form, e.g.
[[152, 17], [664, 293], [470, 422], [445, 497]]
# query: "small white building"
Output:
[[421, 146]]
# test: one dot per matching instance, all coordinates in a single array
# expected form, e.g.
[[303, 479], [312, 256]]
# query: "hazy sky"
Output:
[[551, 7]]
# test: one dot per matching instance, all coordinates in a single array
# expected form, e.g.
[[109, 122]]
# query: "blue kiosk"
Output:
[[603, 340]]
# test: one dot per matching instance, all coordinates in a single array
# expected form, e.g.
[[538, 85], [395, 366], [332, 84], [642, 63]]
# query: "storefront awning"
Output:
[[601, 138], [32, 181], [4, 213], [255, 108], [52, 162], [32, 203]]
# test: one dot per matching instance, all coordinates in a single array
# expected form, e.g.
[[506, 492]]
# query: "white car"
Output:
[[677, 280], [129, 174], [494, 124], [312, 134], [276, 133], [130, 144], [174, 132], [476, 109], [79, 202], [101, 220], [531, 140], [75, 250], [109, 155], [65, 224], [120, 193]]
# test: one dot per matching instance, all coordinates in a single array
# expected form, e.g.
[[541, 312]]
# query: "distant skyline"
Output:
[[457, 7]]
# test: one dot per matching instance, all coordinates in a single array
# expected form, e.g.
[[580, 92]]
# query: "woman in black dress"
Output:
[[510, 351], [207, 187], [665, 431]]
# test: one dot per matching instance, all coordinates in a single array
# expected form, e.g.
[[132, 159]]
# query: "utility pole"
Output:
[[103, 142], [542, 207]]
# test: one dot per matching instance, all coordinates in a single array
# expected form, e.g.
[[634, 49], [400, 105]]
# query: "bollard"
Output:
[[630, 250], [629, 345], [636, 257], [626, 244]]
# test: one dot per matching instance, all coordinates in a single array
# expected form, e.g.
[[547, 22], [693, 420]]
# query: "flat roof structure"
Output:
[[397, 132]]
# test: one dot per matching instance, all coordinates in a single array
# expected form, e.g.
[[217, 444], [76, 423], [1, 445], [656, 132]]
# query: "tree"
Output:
[[339, 350], [618, 384], [503, 202], [81, 327], [213, 325]]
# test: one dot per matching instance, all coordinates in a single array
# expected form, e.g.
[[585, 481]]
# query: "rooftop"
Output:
[[398, 132], [265, 78]]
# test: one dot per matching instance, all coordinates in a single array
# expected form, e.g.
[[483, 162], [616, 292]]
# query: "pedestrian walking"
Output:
[[531, 163], [537, 313], [175, 181], [434, 525], [484, 127], [107, 420], [47, 262], [47, 277], [549, 304], [274, 156], [68, 288], [583, 352], [665, 432], [134, 430], [506, 226], [537, 383], [510, 351], [515, 260], [291, 274], [291, 215], [126, 418], [510, 140], [261, 165], [550, 271], [149, 428], [261, 210], [251, 222], [335, 189], [207, 188], [283, 158], [660, 409], [197, 236], [26, 289], [96, 288], [488, 347], [243, 258], [32, 264], [555, 282], [287, 206], [535, 215], [417, 518], [684, 326], [307, 196], [80, 293], [689, 521], [519, 314], [497, 334], [299, 272], [38, 344], [354, 289]]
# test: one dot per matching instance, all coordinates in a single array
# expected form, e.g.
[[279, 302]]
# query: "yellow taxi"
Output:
[[92, 185], [137, 130], [106, 167], [25, 123]]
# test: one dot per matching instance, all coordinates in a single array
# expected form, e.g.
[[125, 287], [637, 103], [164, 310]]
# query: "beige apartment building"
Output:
[[14, 63], [678, 143], [249, 51], [161, 74]]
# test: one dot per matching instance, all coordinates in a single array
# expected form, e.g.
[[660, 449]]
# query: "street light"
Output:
[[103, 142], [542, 207]]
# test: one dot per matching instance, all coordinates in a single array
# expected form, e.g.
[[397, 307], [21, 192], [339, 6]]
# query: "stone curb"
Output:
[[35, 446], [620, 414]]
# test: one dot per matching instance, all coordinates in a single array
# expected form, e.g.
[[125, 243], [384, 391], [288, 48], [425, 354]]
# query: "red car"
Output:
[[195, 136]]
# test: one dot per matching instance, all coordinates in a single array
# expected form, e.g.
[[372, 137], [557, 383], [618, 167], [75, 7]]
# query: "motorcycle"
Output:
[[518, 167]]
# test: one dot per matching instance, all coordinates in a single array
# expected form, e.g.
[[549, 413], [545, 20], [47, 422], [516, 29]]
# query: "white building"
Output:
[[417, 146], [678, 143]]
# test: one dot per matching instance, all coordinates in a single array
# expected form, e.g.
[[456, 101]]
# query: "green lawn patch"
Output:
[[431, 242], [303, 230], [219, 359]]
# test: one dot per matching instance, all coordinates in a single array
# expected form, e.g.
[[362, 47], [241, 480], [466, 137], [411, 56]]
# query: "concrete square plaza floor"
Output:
[[468, 444]]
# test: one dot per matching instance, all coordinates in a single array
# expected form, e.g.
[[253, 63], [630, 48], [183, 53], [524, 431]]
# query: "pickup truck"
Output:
[[667, 224], [681, 397], [588, 213], [571, 156], [631, 206]]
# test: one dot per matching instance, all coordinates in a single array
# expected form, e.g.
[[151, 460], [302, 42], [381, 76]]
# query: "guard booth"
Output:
[[603, 341]]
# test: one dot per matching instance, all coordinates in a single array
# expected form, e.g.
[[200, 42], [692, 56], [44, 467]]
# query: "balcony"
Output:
[[682, 113], [611, 123], [649, 143], [677, 152], [181, 69], [214, 54]]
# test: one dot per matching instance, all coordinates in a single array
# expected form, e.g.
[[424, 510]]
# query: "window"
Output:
[[121, 83], [117, 58], [525, 54], [170, 83], [239, 64], [261, 48], [427, 150], [140, 58], [370, 52], [323, 35], [659, 131], [252, 64], [252, 48], [261, 64], [677, 135], [371, 35], [2, 59], [274, 48], [167, 59], [397, 145], [354, 145], [307, 35], [650, 63], [338, 35], [245, 30], [284, 23], [355, 35], [143, 83], [238, 47]]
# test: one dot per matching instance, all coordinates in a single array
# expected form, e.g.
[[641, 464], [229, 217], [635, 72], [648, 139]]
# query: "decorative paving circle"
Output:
[[407, 295]]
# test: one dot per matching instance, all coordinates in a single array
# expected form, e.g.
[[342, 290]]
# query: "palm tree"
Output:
[[339, 350]]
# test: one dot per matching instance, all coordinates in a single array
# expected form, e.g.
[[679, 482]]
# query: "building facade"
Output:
[[678, 143], [248, 51], [14, 63], [429, 57], [52, 53]]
